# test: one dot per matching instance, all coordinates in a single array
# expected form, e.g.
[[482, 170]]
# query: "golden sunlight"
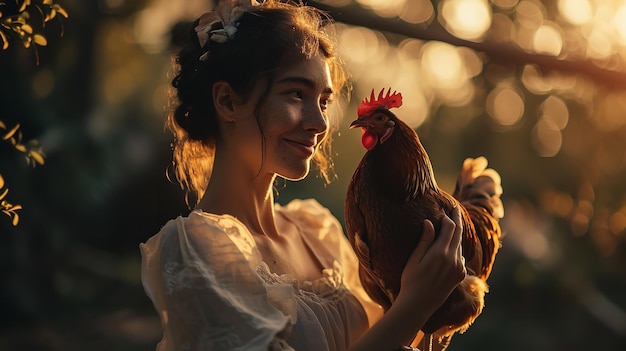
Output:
[[529, 14], [553, 109], [361, 47], [619, 21], [610, 112], [385, 8], [466, 19], [534, 81], [576, 12], [505, 4], [547, 40], [442, 65], [152, 24], [599, 45], [505, 106], [417, 11], [546, 138]]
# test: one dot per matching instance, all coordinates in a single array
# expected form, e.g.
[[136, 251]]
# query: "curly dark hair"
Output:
[[273, 35]]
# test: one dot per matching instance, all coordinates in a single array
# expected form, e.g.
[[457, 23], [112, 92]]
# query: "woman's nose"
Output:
[[315, 120]]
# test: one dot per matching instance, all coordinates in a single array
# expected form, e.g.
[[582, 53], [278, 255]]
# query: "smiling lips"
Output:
[[305, 146]]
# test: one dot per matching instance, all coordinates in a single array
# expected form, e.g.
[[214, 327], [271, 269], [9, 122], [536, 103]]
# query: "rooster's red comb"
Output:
[[388, 101]]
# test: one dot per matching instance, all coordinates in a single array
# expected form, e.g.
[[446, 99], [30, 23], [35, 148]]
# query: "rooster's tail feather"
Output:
[[480, 186]]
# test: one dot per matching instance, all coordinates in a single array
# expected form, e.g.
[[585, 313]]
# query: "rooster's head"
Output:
[[375, 119]]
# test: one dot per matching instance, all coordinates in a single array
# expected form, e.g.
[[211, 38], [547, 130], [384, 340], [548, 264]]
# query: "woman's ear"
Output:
[[224, 101]]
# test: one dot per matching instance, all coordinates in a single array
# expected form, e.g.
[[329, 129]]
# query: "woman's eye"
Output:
[[325, 102], [297, 94]]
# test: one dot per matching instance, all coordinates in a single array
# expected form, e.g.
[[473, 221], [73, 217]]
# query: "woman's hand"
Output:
[[435, 267], [433, 270]]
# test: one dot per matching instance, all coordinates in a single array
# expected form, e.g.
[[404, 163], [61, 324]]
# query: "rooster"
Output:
[[393, 191]]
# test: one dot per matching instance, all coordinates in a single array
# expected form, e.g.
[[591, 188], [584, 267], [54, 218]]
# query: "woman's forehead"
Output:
[[313, 71]]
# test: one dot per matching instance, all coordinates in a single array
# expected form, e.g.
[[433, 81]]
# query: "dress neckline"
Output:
[[331, 273]]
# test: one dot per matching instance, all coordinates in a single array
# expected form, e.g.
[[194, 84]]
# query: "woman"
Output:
[[241, 272]]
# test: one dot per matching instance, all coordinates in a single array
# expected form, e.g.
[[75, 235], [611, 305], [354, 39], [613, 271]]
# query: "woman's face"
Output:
[[292, 117]]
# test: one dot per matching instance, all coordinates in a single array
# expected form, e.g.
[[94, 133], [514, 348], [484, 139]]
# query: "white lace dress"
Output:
[[212, 290]]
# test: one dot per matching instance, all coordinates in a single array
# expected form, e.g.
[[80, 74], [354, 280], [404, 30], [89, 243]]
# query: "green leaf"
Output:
[[1, 182], [16, 219], [2, 125]]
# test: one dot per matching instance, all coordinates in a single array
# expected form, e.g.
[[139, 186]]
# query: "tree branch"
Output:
[[499, 52]]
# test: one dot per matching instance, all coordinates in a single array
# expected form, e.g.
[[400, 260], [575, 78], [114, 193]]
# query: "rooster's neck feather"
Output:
[[401, 162]]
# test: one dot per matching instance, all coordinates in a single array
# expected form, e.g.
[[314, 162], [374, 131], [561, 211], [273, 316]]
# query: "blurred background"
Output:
[[538, 87]]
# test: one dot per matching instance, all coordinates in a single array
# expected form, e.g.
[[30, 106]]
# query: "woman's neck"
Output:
[[248, 198]]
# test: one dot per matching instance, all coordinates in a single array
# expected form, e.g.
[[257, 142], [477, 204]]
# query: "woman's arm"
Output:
[[433, 270]]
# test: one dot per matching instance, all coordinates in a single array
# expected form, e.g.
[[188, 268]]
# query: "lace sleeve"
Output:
[[206, 292]]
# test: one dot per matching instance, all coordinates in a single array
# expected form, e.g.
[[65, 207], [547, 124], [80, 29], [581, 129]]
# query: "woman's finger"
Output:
[[457, 237], [446, 233], [455, 242], [426, 241]]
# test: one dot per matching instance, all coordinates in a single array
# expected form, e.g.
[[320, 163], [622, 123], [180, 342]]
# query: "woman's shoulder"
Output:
[[309, 213], [202, 236], [318, 228]]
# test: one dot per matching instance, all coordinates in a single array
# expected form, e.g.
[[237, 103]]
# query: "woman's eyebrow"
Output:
[[304, 81]]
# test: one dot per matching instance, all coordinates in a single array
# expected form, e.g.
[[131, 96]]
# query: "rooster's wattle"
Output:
[[393, 191]]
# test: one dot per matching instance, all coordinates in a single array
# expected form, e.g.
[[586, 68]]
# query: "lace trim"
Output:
[[329, 287]]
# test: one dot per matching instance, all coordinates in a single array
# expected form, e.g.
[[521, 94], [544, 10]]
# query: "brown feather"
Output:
[[392, 191]]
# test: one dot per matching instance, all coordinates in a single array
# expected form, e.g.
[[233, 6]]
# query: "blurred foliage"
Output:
[[34, 155], [6, 207], [17, 23], [536, 87]]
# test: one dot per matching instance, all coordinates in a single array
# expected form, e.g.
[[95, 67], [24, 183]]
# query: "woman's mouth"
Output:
[[306, 147]]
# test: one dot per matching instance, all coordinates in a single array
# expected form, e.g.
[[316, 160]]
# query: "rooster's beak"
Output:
[[358, 123]]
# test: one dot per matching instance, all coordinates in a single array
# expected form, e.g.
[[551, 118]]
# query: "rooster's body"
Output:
[[393, 191]]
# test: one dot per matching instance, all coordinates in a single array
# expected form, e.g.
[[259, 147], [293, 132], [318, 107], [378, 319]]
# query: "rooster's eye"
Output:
[[380, 118]]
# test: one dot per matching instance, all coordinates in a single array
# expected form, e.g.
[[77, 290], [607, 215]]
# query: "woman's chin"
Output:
[[295, 175]]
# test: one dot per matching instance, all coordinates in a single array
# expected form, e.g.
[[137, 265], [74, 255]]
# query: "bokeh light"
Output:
[[505, 4], [505, 105], [553, 109], [611, 112], [547, 40], [619, 21], [384, 8], [576, 12], [417, 11], [546, 138], [530, 14], [442, 65], [467, 19]]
